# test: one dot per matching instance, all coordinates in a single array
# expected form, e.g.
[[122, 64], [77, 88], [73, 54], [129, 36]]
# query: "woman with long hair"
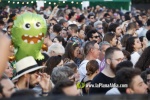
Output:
[[133, 46]]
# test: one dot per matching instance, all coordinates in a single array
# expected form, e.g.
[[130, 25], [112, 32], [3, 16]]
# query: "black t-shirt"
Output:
[[99, 81]]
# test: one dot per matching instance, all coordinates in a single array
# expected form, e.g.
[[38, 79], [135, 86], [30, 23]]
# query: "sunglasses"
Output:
[[96, 36]]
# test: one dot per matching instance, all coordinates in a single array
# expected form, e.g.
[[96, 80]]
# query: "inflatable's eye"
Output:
[[26, 26], [37, 25]]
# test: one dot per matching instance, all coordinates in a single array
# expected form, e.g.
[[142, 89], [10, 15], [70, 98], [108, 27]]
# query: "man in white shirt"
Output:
[[92, 52]]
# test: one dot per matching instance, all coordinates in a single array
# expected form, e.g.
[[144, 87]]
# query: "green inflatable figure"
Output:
[[28, 33]]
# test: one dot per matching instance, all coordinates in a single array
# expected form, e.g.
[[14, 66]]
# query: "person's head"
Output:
[[124, 64], [110, 38], [71, 50], [92, 68], [127, 55], [146, 77], [113, 56], [72, 29], [43, 61], [148, 35], [124, 39], [98, 26], [133, 44], [52, 62], [9, 71], [91, 17], [91, 48], [144, 41], [53, 21], [65, 87], [131, 27], [118, 44], [57, 28], [62, 73], [59, 39], [115, 28], [88, 28], [81, 19], [133, 81], [6, 87], [103, 46], [144, 61], [27, 72], [81, 34], [72, 15], [63, 23], [24, 93], [93, 35], [74, 67], [56, 49]]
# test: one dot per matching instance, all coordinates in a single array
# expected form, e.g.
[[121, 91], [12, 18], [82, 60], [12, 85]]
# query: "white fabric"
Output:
[[135, 57], [70, 22], [82, 68], [113, 91]]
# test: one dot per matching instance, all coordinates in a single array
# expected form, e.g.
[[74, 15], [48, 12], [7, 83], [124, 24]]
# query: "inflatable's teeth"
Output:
[[25, 35], [31, 42], [38, 41], [26, 41], [30, 36]]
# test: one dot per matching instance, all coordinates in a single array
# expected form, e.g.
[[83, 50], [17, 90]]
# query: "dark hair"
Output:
[[124, 64], [57, 28], [41, 62], [90, 33], [88, 28], [71, 14], [10, 21], [110, 51], [124, 39], [74, 27], [126, 76], [126, 54], [51, 63], [61, 39], [71, 65], [112, 27], [105, 27], [81, 18], [58, 89], [127, 16], [69, 50], [24, 93], [108, 37], [148, 35], [91, 67], [148, 22], [91, 15], [2, 22], [1, 87], [130, 43], [144, 60], [141, 39], [144, 74]]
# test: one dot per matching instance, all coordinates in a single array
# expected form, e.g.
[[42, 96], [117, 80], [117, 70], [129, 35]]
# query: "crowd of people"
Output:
[[85, 52]]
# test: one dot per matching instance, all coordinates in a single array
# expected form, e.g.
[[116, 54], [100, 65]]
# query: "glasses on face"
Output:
[[100, 28], [51, 24], [92, 18], [96, 37]]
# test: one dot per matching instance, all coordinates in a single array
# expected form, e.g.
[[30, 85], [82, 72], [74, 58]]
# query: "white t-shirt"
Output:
[[134, 58], [70, 22], [113, 91], [82, 68]]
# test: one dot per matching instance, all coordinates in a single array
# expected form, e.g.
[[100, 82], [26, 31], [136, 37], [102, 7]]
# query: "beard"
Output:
[[113, 68]]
